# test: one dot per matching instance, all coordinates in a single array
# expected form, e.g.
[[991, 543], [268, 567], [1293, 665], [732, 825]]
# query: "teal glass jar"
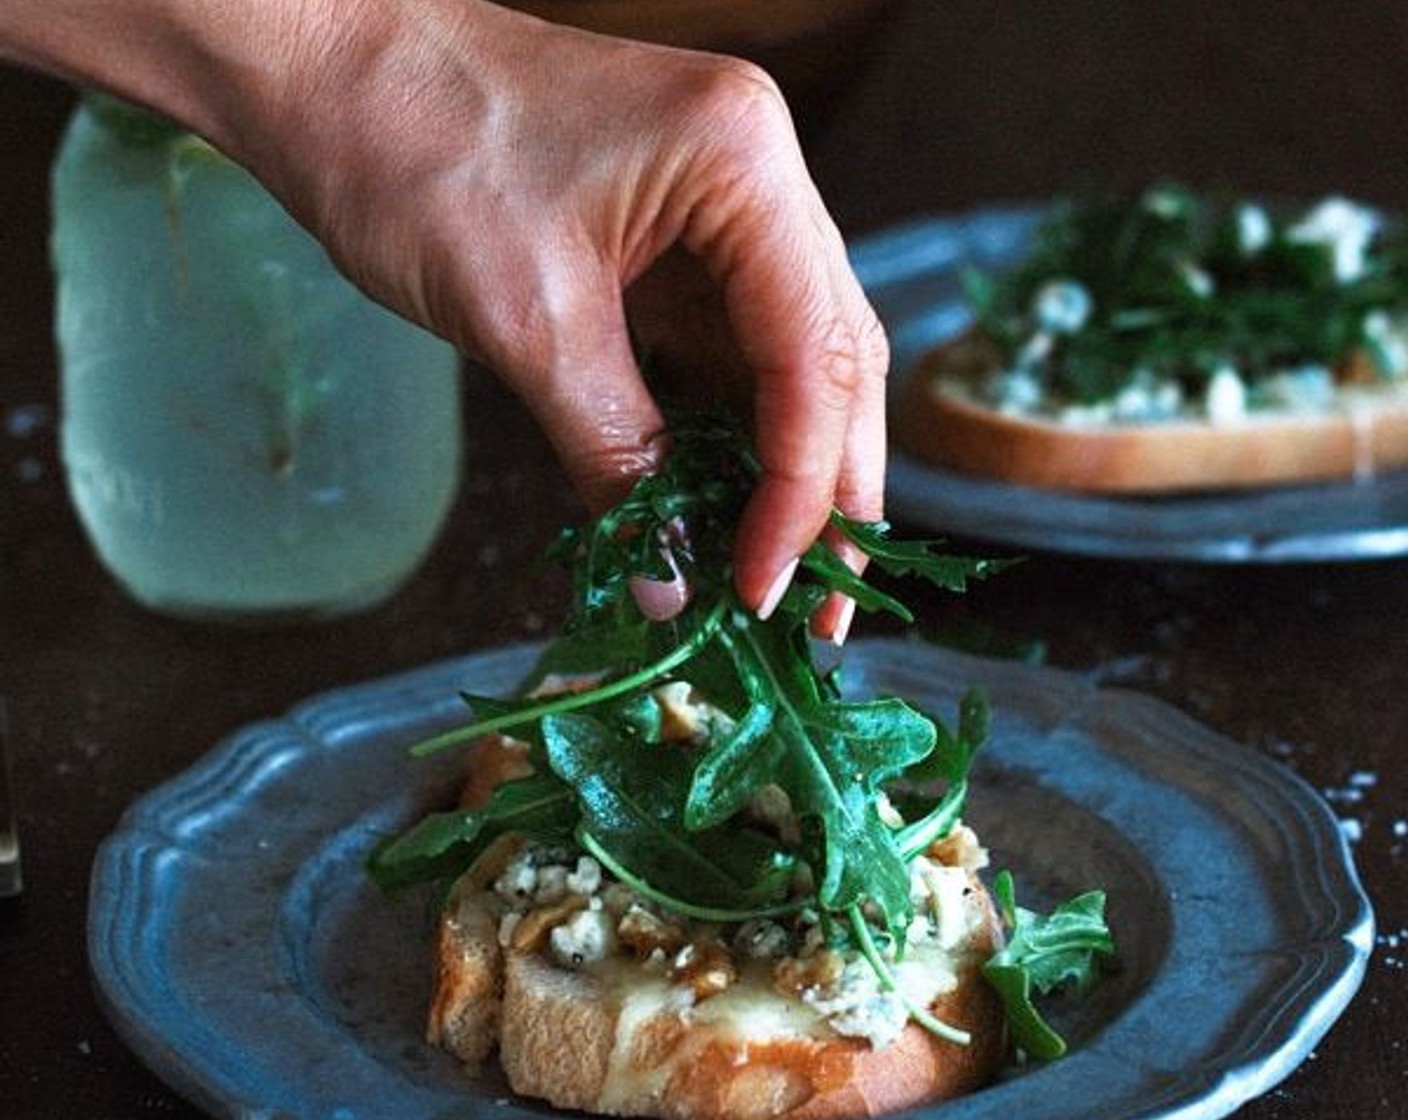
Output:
[[245, 436]]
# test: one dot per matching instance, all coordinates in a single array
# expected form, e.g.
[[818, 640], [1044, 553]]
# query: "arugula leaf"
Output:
[[953, 752], [612, 643], [536, 708], [791, 730], [631, 806], [831, 758], [1042, 953], [735, 768], [838, 576], [444, 845], [917, 558]]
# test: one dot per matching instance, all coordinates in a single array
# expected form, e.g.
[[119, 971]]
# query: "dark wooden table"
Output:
[[979, 101]]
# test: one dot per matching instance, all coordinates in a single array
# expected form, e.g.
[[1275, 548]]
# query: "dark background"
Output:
[[968, 101], [951, 105]]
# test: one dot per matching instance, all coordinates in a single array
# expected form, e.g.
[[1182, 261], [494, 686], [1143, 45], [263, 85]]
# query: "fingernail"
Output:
[[843, 623], [660, 600], [777, 590]]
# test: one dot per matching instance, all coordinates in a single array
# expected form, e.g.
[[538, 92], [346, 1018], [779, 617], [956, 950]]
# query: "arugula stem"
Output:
[[915, 838], [570, 701], [925, 1018], [595, 848]]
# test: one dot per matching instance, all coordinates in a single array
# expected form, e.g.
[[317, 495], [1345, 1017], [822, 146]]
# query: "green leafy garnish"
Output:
[[679, 823], [1181, 286], [949, 761], [788, 724], [631, 809], [1044, 952], [445, 844]]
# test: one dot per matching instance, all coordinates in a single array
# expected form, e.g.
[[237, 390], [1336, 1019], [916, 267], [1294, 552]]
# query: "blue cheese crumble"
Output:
[[564, 905]]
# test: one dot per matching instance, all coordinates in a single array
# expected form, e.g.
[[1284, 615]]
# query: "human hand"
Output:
[[503, 181]]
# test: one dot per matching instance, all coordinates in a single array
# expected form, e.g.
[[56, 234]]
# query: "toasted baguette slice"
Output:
[[1366, 433], [621, 1041], [624, 1039], [635, 1053]]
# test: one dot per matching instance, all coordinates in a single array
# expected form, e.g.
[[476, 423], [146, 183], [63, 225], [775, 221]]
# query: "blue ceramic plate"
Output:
[[241, 953], [912, 275]]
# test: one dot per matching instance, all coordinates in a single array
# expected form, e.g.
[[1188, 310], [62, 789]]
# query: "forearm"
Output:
[[286, 87], [233, 71], [180, 57]]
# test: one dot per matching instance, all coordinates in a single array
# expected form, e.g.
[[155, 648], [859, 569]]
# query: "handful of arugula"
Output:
[[665, 822]]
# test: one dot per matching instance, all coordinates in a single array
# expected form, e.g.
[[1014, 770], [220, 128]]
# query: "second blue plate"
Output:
[[911, 274]]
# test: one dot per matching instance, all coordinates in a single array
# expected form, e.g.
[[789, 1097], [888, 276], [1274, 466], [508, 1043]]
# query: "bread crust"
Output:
[[466, 1002], [1367, 434]]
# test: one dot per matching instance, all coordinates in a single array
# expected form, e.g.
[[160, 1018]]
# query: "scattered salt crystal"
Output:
[[1400, 827], [25, 420], [1352, 830], [1363, 779]]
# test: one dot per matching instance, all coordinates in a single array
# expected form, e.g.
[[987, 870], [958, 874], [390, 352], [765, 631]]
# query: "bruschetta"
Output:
[[1169, 343], [594, 998]]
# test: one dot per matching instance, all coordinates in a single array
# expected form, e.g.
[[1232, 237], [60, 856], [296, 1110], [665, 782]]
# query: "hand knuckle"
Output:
[[737, 106], [838, 371], [873, 344]]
